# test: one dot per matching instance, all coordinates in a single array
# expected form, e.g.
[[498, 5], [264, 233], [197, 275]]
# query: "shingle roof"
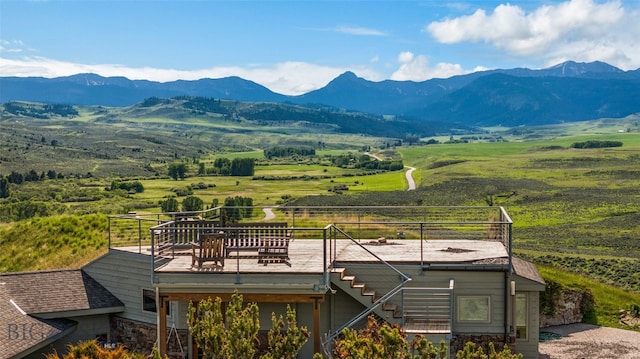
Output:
[[57, 291], [526, 270], [22, 333]]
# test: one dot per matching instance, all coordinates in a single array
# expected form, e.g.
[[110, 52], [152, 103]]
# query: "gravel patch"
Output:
[[585, 341]]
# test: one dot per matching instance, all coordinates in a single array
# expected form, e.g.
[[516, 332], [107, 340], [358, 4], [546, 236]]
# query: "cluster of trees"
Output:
[[351, 160], [237, 208], [381, 165], [202, 105], [283, 151], [177, 170], [40, 111], [31, 176], [18, 178], [135, 186], [188, 204], [227, 167], [596, 144]]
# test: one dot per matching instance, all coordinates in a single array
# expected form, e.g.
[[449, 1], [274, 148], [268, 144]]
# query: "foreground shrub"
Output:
[[92, 350], [234, 333], [385, 341]]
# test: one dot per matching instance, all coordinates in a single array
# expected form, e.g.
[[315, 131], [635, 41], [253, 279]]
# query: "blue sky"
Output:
[[293, 47]]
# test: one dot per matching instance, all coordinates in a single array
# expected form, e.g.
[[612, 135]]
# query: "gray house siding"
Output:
[[529, 346], [125, 274], [467, 283]]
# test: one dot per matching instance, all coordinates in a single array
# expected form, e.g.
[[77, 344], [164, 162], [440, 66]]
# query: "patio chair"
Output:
[[208, 247]]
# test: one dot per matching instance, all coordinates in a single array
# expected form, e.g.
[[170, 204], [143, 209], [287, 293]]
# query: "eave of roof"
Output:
[[24, 333], [58, 291], [527, 270]]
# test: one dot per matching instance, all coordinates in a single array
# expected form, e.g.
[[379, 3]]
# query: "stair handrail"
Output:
[[402, 275], [378, 302]]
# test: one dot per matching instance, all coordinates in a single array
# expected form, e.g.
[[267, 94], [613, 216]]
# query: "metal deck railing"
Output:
[[362, 222]]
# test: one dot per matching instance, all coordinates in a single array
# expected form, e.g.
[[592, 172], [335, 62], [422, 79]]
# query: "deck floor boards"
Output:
[[306, 255]]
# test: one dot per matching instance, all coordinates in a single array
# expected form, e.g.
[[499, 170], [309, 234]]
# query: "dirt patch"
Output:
[[588, 341]]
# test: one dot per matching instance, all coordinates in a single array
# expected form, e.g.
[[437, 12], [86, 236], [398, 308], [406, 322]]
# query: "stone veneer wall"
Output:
[[458, 342], [141, 337], [568, 309]]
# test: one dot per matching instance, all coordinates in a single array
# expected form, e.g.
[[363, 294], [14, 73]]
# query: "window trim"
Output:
[[525, 296], [463, 314], [144, 297]]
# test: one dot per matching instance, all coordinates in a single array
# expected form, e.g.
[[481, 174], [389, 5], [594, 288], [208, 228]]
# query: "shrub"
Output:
[[234, 333]]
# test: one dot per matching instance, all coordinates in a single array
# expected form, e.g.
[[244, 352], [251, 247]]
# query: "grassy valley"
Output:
[[575, 210]]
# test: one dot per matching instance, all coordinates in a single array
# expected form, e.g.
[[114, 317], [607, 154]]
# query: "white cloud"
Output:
[[14, 46], [357, 30], [289, 78], [417, 68], [580, 30]]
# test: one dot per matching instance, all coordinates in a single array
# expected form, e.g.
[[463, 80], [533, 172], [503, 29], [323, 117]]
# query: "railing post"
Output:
[[325, 278], [238, 279], [109, 229], [153, 257], [139, 235], [421, 247]]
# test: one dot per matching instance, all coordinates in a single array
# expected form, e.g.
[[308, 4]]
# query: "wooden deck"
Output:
[[306, 255]]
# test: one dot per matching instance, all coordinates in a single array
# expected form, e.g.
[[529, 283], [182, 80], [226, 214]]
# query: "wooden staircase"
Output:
[[389, 311]]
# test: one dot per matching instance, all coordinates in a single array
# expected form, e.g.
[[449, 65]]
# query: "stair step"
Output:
[[349, 278], [370, 292], [389, 306]]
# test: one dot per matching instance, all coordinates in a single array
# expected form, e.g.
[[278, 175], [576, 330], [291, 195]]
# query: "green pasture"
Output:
[[569, 206], [271, 192]]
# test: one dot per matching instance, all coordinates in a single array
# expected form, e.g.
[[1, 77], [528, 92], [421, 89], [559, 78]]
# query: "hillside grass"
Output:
[[609, 300], [67, 241]]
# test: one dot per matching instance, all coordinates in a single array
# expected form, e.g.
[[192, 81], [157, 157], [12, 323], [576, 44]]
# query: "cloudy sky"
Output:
[[296, 46]]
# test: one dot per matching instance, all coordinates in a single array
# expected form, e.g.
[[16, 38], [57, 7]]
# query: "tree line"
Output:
[[596, 144], [283, 151], [237, 207], [19, 178], [40, 111]]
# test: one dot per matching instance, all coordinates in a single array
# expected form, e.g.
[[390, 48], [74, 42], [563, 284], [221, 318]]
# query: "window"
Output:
[[521, 316], [149, 301], [474, 309]]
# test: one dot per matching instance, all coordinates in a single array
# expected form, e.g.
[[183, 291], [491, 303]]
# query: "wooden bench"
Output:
[[270, 240], [208, 247], [274, 250]]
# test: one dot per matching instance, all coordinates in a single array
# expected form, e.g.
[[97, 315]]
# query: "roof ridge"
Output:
[[40, 271]]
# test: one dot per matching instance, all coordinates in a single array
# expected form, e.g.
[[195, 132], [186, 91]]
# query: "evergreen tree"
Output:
[[170, 205], [177, 170], [4, 187], [234, 333], [192, 204]]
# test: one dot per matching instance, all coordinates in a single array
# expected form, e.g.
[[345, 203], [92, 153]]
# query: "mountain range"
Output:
[[566, 92]]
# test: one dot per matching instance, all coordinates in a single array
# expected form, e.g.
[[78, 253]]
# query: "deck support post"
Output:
[[316, 324], [161, 306]]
